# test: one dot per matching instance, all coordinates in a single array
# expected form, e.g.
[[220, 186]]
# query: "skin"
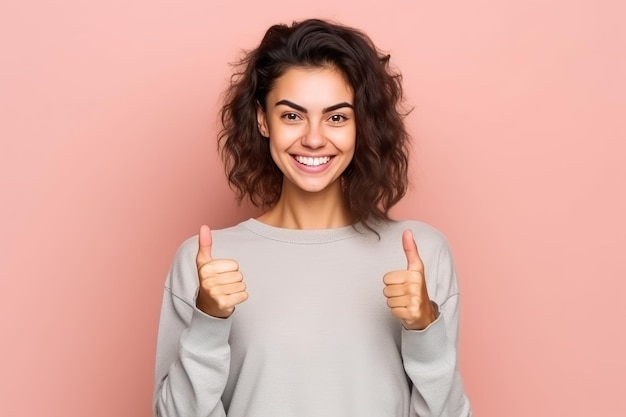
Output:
[[221, 282], [406, 292], [309, 114]]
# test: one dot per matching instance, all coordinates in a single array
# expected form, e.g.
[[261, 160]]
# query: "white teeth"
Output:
[[313, 162]]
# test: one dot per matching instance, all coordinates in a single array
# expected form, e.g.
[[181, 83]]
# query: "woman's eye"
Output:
[[337, 118], [291, 117]]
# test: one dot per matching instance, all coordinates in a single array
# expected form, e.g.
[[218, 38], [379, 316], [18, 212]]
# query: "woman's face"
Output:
[[309, 119]]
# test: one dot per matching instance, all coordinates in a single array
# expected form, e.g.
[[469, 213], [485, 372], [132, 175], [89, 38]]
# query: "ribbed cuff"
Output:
[[428, 345]]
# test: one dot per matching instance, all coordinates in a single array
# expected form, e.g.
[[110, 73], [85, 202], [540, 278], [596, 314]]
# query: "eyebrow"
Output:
[[325, 110]]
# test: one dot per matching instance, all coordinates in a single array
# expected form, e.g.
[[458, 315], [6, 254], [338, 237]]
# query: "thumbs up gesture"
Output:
[[221, 282], [406, 291]]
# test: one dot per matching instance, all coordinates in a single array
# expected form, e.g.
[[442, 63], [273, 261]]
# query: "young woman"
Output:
[[323, 306]]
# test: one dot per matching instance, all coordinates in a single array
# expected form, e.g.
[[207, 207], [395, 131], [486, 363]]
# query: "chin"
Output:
[[318, 188]]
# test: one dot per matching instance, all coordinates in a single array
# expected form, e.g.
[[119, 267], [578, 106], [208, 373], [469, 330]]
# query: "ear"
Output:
[[261, 119]]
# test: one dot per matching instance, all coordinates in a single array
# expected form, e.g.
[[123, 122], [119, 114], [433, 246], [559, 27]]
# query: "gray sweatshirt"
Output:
[[315, 338]]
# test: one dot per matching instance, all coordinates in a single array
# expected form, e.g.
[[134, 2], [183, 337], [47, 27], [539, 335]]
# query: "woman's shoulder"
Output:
[[421, 230], [430, 240], [219, 236]]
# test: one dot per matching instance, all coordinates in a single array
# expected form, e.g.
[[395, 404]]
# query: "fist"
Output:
[[406, 291], [221, 282]]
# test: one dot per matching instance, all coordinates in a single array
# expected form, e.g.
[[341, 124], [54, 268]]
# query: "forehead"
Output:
[[311, 87]]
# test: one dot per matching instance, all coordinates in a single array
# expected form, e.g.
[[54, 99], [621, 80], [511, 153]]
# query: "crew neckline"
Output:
[[304, 236]]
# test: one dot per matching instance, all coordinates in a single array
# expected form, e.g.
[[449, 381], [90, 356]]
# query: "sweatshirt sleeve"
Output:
[[193, 354], [430, 355]]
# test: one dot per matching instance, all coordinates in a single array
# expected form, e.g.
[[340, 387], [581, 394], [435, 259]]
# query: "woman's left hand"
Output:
[[406, 291]]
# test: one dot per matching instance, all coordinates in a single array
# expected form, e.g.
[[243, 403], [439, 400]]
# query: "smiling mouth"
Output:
[[312, 162]]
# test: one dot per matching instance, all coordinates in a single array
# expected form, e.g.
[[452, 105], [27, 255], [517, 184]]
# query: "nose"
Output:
[[314, 137]]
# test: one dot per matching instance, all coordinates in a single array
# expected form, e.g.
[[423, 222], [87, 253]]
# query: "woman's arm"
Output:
[[193, 354], [430, 361], [430, 355]]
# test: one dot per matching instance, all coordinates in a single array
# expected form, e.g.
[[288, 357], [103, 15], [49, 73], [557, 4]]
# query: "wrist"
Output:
[[207, 309], [425, 320]]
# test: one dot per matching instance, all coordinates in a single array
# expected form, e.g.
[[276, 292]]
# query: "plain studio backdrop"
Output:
[[108, 161]]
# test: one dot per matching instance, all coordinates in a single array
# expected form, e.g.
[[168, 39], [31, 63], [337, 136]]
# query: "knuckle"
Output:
[[415, 276], [222, 304], [206, 286], [413, 289], [214, 292], [229, 264], [211, 265]]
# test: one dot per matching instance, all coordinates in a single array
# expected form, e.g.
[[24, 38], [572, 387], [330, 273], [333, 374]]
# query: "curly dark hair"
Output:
[[377, 177]]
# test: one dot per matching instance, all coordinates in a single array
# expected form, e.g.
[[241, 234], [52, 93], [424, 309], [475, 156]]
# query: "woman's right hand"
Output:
[[221, 282]]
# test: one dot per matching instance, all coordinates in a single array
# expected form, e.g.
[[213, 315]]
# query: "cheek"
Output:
[[277, 152], [283, 137], [352, 145], [346, 141]]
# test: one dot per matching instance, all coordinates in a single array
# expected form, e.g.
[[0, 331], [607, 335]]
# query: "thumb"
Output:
[[413, 261], [205, 244]]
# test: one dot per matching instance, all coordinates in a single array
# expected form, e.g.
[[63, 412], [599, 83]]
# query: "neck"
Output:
[[298, 209]]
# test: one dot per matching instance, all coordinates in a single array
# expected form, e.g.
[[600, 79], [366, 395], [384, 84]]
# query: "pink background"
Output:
[[107, 162]]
